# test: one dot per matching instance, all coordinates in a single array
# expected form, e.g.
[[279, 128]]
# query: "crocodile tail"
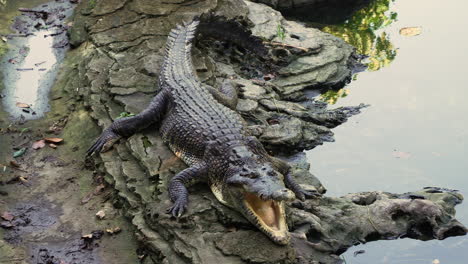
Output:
[[178, 48], [221, 28]]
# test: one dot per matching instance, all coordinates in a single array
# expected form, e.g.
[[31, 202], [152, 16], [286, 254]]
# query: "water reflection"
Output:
[[31, 47], [414, 134], [362, 32], [332, 96], [24, 86]]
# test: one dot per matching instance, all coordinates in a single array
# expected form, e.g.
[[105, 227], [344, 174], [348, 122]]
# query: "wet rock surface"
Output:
[[114, 70]]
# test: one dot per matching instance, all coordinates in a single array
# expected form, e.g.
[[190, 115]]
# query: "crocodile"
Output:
[[199, 124]]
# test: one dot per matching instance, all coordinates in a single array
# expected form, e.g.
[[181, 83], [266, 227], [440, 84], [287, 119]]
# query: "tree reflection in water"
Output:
[[364, 31]]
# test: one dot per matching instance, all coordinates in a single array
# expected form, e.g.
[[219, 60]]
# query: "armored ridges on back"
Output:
[[209, 137]]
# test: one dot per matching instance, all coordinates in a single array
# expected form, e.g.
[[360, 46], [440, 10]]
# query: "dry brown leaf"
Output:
[[22, 105], [410, 31], [23, 179], [113, 231], [401, 154], [7, 216], [6, 224], [39, 144], [89, 236], [14, 164], [53, 140], [101, 214], [99, 189]]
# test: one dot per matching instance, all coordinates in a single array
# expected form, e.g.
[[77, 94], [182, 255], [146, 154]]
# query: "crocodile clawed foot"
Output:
[[104, 142], [303, 194], [178, 208]]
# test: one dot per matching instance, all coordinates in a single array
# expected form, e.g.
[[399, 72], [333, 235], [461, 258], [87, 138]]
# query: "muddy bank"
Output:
[[49, 196], [113, 72]]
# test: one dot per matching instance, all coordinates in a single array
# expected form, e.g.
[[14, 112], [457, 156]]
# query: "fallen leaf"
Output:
[[53, 146], [39, 144], [101, 214], [23, 179], [6, 224], [87, 198], [19, 153], [113, 231], [22, 105], [4, 39], [88, 236], [14, 164], [401, 154], [99, 189], [53, 140], [7, 216], [410, 31]]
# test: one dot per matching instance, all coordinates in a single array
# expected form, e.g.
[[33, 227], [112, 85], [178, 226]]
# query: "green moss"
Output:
[[280, 32], [125, 114], [91, 3], [3, 48]]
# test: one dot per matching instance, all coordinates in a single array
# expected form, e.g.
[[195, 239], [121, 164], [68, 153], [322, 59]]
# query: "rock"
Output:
[[118, 72], [327, 61], [246, 105]]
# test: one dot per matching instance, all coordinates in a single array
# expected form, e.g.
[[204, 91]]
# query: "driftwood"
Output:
[[119, 53]]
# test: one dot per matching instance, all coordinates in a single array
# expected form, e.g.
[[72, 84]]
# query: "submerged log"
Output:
[[116, 71]]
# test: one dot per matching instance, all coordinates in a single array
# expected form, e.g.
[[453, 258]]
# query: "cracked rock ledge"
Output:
[[114, 68]]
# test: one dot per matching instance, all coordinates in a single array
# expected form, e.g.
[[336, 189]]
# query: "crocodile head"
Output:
[[256, 190]]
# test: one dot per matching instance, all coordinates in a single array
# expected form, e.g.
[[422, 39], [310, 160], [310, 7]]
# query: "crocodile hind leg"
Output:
[[178, 187], [125, 127], [226, 95]]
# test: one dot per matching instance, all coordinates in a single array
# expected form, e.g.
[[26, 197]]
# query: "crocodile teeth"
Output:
[[268, 215]]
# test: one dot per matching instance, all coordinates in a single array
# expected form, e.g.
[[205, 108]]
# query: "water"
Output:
[[415, 133], [31, 85], [30, 66]]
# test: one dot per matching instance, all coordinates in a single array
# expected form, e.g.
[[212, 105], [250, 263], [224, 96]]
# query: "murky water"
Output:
[[415, 133], [35, 49]]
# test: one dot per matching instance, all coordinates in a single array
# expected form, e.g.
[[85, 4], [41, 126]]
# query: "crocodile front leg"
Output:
[[284, 168], [178, 187], [125, 127], [289, 181]]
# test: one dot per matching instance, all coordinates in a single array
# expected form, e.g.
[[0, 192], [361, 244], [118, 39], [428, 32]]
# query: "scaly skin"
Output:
[[210, 138]]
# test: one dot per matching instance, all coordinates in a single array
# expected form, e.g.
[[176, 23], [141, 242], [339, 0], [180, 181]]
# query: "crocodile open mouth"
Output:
[[269, 215]]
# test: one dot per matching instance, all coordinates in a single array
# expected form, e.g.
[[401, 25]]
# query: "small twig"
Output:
[[273, 43], [26, 10], [11, 259]]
